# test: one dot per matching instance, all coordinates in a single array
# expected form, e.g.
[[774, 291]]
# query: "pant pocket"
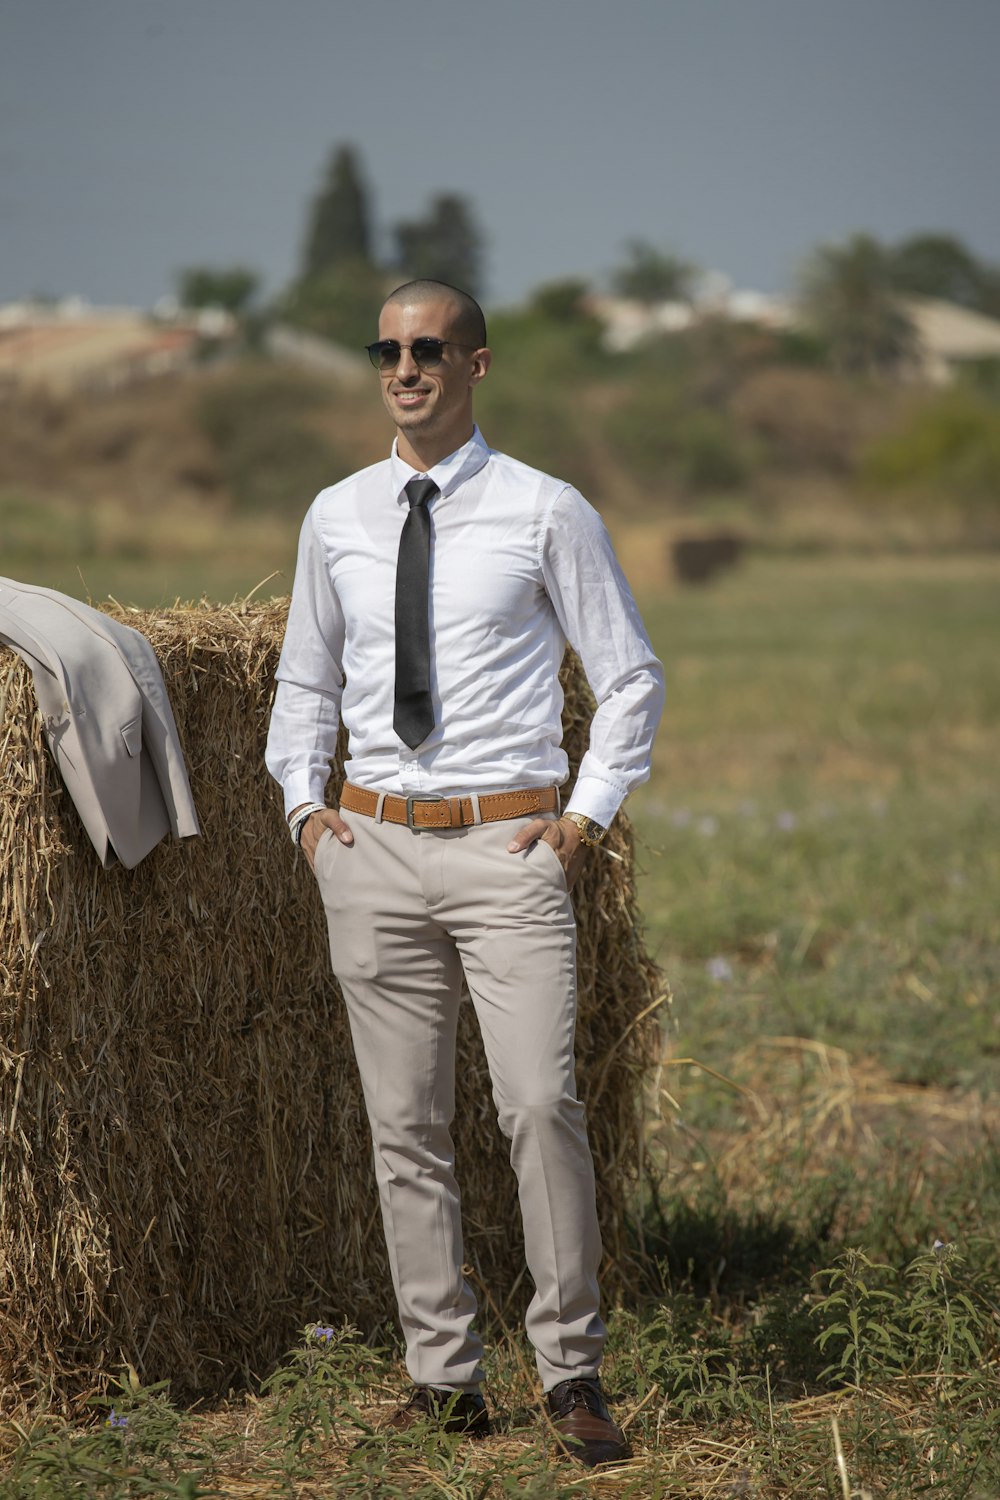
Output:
[[550, 860], [349, 920]]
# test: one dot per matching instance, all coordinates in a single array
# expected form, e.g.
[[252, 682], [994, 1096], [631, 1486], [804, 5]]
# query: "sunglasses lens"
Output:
[[385, 354], [427, 352]]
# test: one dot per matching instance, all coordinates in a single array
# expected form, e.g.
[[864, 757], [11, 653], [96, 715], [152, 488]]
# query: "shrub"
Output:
[[948, 448], [549, 343], [663, 440], [806, 419], [709, 453], [539, 428], [643, 431], [268, 455]]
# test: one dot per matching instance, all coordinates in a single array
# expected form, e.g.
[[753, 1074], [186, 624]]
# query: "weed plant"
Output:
[[729, 1384]]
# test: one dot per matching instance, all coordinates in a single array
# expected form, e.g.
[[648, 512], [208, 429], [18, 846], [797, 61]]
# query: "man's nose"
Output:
[[407, 370]]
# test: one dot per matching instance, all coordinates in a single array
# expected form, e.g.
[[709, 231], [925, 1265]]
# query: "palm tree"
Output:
[[849, 295]]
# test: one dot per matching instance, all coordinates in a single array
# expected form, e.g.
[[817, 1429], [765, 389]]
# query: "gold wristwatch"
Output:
[[591, 833]]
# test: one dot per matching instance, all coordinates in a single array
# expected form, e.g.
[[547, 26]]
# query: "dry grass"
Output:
[[803, 1109], [779, 1443], [184, 1167], [683, 1460]]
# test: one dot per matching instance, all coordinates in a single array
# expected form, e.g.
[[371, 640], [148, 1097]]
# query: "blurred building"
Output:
[[949, 337], [628, 322], [72, 345]]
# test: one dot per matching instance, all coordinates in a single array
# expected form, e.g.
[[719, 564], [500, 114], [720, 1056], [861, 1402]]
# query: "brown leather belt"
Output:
[[427, 810]]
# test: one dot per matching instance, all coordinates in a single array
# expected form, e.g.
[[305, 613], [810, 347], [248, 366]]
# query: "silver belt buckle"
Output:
[[420, 797]]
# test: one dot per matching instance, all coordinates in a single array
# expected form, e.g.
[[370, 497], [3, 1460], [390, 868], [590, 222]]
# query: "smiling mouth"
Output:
[[410, 398]]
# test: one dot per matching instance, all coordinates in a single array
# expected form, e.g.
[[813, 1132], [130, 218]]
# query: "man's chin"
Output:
[[410, 418]]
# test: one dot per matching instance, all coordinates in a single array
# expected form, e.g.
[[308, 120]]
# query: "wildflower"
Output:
[[321, 1335], [719, 969], [114, 1420], [786, 821], [940, 1246]]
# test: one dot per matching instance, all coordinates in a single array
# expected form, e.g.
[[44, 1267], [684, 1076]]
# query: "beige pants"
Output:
[[409, 911]]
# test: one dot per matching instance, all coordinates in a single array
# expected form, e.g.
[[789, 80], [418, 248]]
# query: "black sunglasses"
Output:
[[427, 352]]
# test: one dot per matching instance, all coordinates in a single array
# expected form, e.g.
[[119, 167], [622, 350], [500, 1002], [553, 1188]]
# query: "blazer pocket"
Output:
[[132, 735]]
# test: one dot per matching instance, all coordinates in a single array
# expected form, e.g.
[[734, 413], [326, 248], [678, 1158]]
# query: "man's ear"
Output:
[[481, 361]]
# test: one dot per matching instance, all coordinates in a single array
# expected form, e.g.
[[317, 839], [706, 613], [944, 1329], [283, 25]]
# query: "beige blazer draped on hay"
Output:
[[107, 720]]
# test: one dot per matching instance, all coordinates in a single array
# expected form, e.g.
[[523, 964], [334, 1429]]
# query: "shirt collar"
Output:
[[449, 473]]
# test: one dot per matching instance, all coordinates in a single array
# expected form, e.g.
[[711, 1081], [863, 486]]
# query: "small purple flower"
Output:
[[786, 821], [940, 1246], [114, 1420], [321, 1335], [720, 969]]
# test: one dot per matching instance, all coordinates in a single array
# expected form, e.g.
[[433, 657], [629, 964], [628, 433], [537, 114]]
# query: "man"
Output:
[[434, 594]]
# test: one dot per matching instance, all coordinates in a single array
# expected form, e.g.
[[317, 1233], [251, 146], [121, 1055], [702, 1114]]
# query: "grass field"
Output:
[[822, 832], [816, 1304]]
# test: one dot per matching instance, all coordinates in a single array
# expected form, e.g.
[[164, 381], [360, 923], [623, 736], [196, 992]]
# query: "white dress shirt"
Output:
[[520, 564]]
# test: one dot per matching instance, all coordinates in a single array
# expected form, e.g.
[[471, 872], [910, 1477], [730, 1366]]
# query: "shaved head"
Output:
[[469, 323]]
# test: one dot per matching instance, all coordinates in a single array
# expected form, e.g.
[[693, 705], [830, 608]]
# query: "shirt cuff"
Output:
[[303, 786], [596, 799]]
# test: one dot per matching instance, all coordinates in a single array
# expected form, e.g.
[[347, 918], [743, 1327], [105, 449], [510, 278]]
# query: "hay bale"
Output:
[[185, 1167]]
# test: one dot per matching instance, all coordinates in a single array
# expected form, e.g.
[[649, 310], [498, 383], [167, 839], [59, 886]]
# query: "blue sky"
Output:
[[139, 137]]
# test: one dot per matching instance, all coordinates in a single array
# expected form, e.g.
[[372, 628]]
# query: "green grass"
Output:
[[815, 1304], [821, 838], [889, 1363], [147, 557]]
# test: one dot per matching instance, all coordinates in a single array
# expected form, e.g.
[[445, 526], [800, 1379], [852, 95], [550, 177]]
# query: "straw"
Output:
[[185, 1168]]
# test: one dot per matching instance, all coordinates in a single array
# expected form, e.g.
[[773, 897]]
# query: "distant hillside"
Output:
[[195, 435], [258, 435], [716, 432]]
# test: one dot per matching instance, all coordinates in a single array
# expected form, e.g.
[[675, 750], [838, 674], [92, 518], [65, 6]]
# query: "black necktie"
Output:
[[413, 715]]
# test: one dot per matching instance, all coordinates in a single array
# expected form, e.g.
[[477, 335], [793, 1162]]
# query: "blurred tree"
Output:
[[561, 301], [232, 287], [446, 245], [339, 226], [649, 276], [341, 304], [849, 294], [938, 265]]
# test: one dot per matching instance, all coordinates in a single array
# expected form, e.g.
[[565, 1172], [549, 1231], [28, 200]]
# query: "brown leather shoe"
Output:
[[584, 1426], [453, 1411]]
